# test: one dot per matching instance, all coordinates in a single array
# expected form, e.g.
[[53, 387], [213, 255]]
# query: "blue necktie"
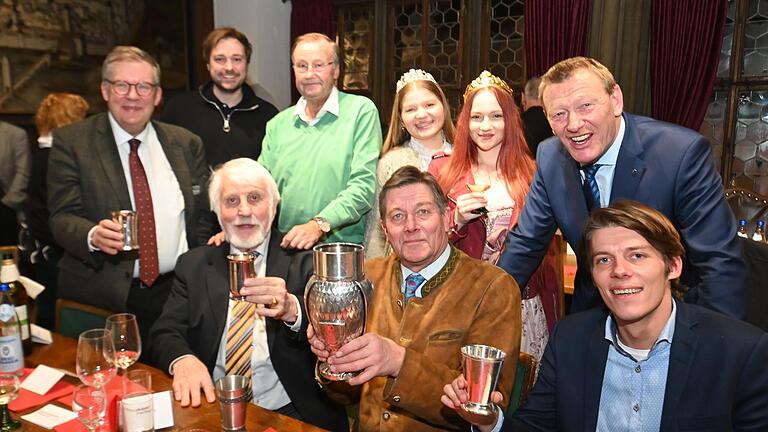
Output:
[[591, 191], [412, 283]]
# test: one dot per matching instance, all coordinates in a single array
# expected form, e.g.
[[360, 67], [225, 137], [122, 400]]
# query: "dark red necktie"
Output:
[[148, 266]]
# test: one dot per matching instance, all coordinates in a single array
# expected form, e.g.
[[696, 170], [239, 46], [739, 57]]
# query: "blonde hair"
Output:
[[566, 68], [396, 134], [58, 110], [123, 53]]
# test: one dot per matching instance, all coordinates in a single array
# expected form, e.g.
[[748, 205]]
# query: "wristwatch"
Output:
[[323, 224]]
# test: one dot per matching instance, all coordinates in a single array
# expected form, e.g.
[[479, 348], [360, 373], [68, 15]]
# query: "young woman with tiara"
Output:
[[420, 127], [486, 178]]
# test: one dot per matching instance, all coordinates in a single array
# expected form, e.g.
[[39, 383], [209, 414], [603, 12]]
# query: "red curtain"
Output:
[[311, 16], [686, 37], [554, 30]]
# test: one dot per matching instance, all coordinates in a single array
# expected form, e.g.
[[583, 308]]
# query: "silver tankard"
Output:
[[337, 297]]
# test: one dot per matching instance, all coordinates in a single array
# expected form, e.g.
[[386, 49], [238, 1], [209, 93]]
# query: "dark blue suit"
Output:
[[717, 378], [662, 165]]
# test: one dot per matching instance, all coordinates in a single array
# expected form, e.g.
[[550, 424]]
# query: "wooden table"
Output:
[[61, 354]]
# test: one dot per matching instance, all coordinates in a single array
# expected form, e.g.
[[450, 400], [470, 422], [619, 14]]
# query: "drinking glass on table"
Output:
[[125, 335], [90, 405], [9, 389], [95, 362]]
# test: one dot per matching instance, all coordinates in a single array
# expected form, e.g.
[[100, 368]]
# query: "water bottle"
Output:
[[11, 354], [742, 231], [759, 235], [9, 274]]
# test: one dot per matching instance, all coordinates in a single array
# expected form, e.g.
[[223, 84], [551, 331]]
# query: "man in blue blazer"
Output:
[[665, 166], [648, 362]]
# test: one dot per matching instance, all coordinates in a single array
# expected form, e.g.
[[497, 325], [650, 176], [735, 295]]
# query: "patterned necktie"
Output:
[[240, 339], [591, 191], [412, 283], [149, 268], [239, 349]]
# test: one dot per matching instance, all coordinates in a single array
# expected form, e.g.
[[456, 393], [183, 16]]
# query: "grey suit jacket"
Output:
[[15, 165], [86, 182]]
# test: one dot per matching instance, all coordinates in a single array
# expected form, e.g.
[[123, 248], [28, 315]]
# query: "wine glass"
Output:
[[90, 405], [480, 185], [9, 389], [125, 335], [95, 358]]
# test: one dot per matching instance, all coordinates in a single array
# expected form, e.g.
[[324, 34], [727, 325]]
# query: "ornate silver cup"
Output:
[[336, 298], [129, 221]]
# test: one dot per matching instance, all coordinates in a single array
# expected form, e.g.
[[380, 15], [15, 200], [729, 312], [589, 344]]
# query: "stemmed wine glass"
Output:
[[90, 405], [125, 335], [95, 358], [9, 389]]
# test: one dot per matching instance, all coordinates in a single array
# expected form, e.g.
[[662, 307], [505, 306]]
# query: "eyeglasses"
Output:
[[319, 67], [122, 88]]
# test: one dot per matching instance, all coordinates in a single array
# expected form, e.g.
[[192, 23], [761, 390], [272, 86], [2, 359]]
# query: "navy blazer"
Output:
[[195, 315], [665, 166], [717, 378]]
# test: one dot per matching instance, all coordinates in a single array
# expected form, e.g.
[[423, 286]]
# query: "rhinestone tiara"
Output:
[[413, 75], [487, 79]]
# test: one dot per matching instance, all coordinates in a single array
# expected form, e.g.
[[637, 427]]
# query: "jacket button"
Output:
[[386, 415], [400, 303], [396, 398]]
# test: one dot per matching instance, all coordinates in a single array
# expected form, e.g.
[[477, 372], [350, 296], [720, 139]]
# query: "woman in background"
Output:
[[420, 127], [486, 178], [55, 111]]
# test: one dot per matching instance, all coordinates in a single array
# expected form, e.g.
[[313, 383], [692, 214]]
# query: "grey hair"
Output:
[[123, 53], [241, 171]]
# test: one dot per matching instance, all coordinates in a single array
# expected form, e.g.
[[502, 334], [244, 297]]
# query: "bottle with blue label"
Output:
[[742, 230], [759, 235], [11, 353]]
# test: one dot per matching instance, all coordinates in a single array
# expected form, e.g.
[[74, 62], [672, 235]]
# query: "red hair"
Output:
[[515, 163]]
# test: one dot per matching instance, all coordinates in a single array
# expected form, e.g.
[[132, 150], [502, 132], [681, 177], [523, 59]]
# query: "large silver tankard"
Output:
[[337, 297]]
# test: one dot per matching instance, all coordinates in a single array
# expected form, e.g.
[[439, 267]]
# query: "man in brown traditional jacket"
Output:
[[429, 300]]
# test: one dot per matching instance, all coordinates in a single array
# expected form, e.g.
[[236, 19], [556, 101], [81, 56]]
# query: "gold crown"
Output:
[[487, 79], [413, 75]]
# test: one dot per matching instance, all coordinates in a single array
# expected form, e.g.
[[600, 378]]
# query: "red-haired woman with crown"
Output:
[[486, 178]]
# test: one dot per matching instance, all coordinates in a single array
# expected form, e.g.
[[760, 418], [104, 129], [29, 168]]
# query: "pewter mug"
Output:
[[337, 297], [129, 222], [241, 267]]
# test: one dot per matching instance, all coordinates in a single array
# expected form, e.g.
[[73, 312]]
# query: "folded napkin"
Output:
[[73, 425], [28, 399]]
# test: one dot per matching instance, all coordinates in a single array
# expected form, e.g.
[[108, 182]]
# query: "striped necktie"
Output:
[[239, 347], [591, 191], [412, 283]]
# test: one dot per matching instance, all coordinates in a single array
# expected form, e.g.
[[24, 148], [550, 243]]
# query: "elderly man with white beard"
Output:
[[203, 334]]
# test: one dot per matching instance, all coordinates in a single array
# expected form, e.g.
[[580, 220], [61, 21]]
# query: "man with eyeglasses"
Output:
[[224, 112], [322, 152], [120, 160]]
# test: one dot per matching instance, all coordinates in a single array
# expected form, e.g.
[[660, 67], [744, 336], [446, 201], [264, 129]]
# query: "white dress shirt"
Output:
[[427, 272], [331, 105]]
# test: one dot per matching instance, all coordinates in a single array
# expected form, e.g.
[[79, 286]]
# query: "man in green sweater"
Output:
[[322, 152]]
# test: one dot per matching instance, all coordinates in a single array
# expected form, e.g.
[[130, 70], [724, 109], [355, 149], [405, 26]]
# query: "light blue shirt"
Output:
[[632, 397], [427, 272], [607, 162]]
